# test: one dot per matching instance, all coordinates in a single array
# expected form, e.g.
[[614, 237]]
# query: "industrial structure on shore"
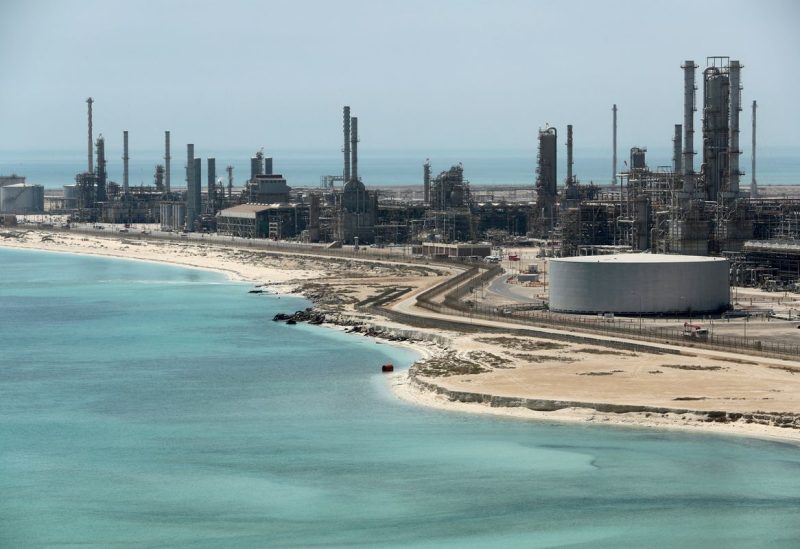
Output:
[[690, 207]]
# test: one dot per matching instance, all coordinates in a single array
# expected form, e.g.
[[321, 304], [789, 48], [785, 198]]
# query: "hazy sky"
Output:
[[446, 74]]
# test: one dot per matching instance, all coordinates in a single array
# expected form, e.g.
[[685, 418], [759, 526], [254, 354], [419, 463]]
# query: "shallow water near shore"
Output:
[[149, 405]]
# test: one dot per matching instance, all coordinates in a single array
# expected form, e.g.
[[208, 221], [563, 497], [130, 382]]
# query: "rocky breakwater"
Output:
[[307, 315]]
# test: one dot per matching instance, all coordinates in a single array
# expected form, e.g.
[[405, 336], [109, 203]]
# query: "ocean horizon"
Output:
[[303, 168], [152, 405]]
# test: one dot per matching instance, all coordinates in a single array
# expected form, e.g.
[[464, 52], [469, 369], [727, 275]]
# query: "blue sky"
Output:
[[456, 75]]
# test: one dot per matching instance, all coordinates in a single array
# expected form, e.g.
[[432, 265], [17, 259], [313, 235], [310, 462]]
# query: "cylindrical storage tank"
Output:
[[178, 215], [22, 199], [639, 284], [165, 216]]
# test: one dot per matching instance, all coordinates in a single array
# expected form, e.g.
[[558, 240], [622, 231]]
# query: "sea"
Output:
[[149, 405], [304, 168]]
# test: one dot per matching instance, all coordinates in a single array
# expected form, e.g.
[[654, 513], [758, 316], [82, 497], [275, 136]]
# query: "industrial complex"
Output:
[[701, 229]]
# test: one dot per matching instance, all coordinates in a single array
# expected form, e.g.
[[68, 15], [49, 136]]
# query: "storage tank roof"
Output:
[[20, 186], [639, 258]]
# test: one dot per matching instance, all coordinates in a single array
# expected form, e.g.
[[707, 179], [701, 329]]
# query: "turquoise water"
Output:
[[145, 405], [377, 168]]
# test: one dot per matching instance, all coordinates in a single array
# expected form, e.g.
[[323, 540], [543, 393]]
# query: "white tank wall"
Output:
[[651, 286], [22, 199]]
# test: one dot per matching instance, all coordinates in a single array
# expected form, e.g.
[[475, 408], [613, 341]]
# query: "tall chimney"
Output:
[[677, 146], [733, 127], [89, 102], [688, 124], [125, 162], [753, 185], [346, 148], [614, 161], [167, 158], [354, 147], [569, 154]]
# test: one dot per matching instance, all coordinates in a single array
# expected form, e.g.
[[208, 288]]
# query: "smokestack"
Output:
[[569, 154], [688, 124], [346, 148], [677, 146], [125, 162], [354, 146], [614, 167], [733, 128], [426, 181], [167, 158], [89, 102], [212, 183], [753, 185], [229, 169]]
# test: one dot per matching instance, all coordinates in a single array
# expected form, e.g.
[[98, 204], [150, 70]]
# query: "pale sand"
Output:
[[594, 375], [409, 392], [575, 372]]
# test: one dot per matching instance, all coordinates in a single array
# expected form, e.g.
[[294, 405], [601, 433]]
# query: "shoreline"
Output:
[[288, 278], [280, 282], [406, 389]]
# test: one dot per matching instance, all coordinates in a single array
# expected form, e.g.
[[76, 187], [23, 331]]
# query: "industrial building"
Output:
[[639, 284], [274, 221], [455, 251]]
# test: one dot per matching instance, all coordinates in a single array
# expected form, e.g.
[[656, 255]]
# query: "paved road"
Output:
[[500, 291]]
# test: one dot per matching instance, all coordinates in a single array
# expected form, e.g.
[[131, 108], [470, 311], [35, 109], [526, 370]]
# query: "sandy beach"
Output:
[[485, 371]]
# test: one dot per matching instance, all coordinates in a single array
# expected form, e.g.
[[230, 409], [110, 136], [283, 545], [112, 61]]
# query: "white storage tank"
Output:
[[639, 284], [21, 199]]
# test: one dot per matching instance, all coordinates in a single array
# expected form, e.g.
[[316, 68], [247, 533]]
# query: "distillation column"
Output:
[[191, 214], [125, 162], [569, 154], [102, 175], [426, 181], [354, 147], [89, 102], [677, 145], [688, 125], [733, 129], [346, 148], [167, 158], [614, 160], [753, 185], [212, 185]]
